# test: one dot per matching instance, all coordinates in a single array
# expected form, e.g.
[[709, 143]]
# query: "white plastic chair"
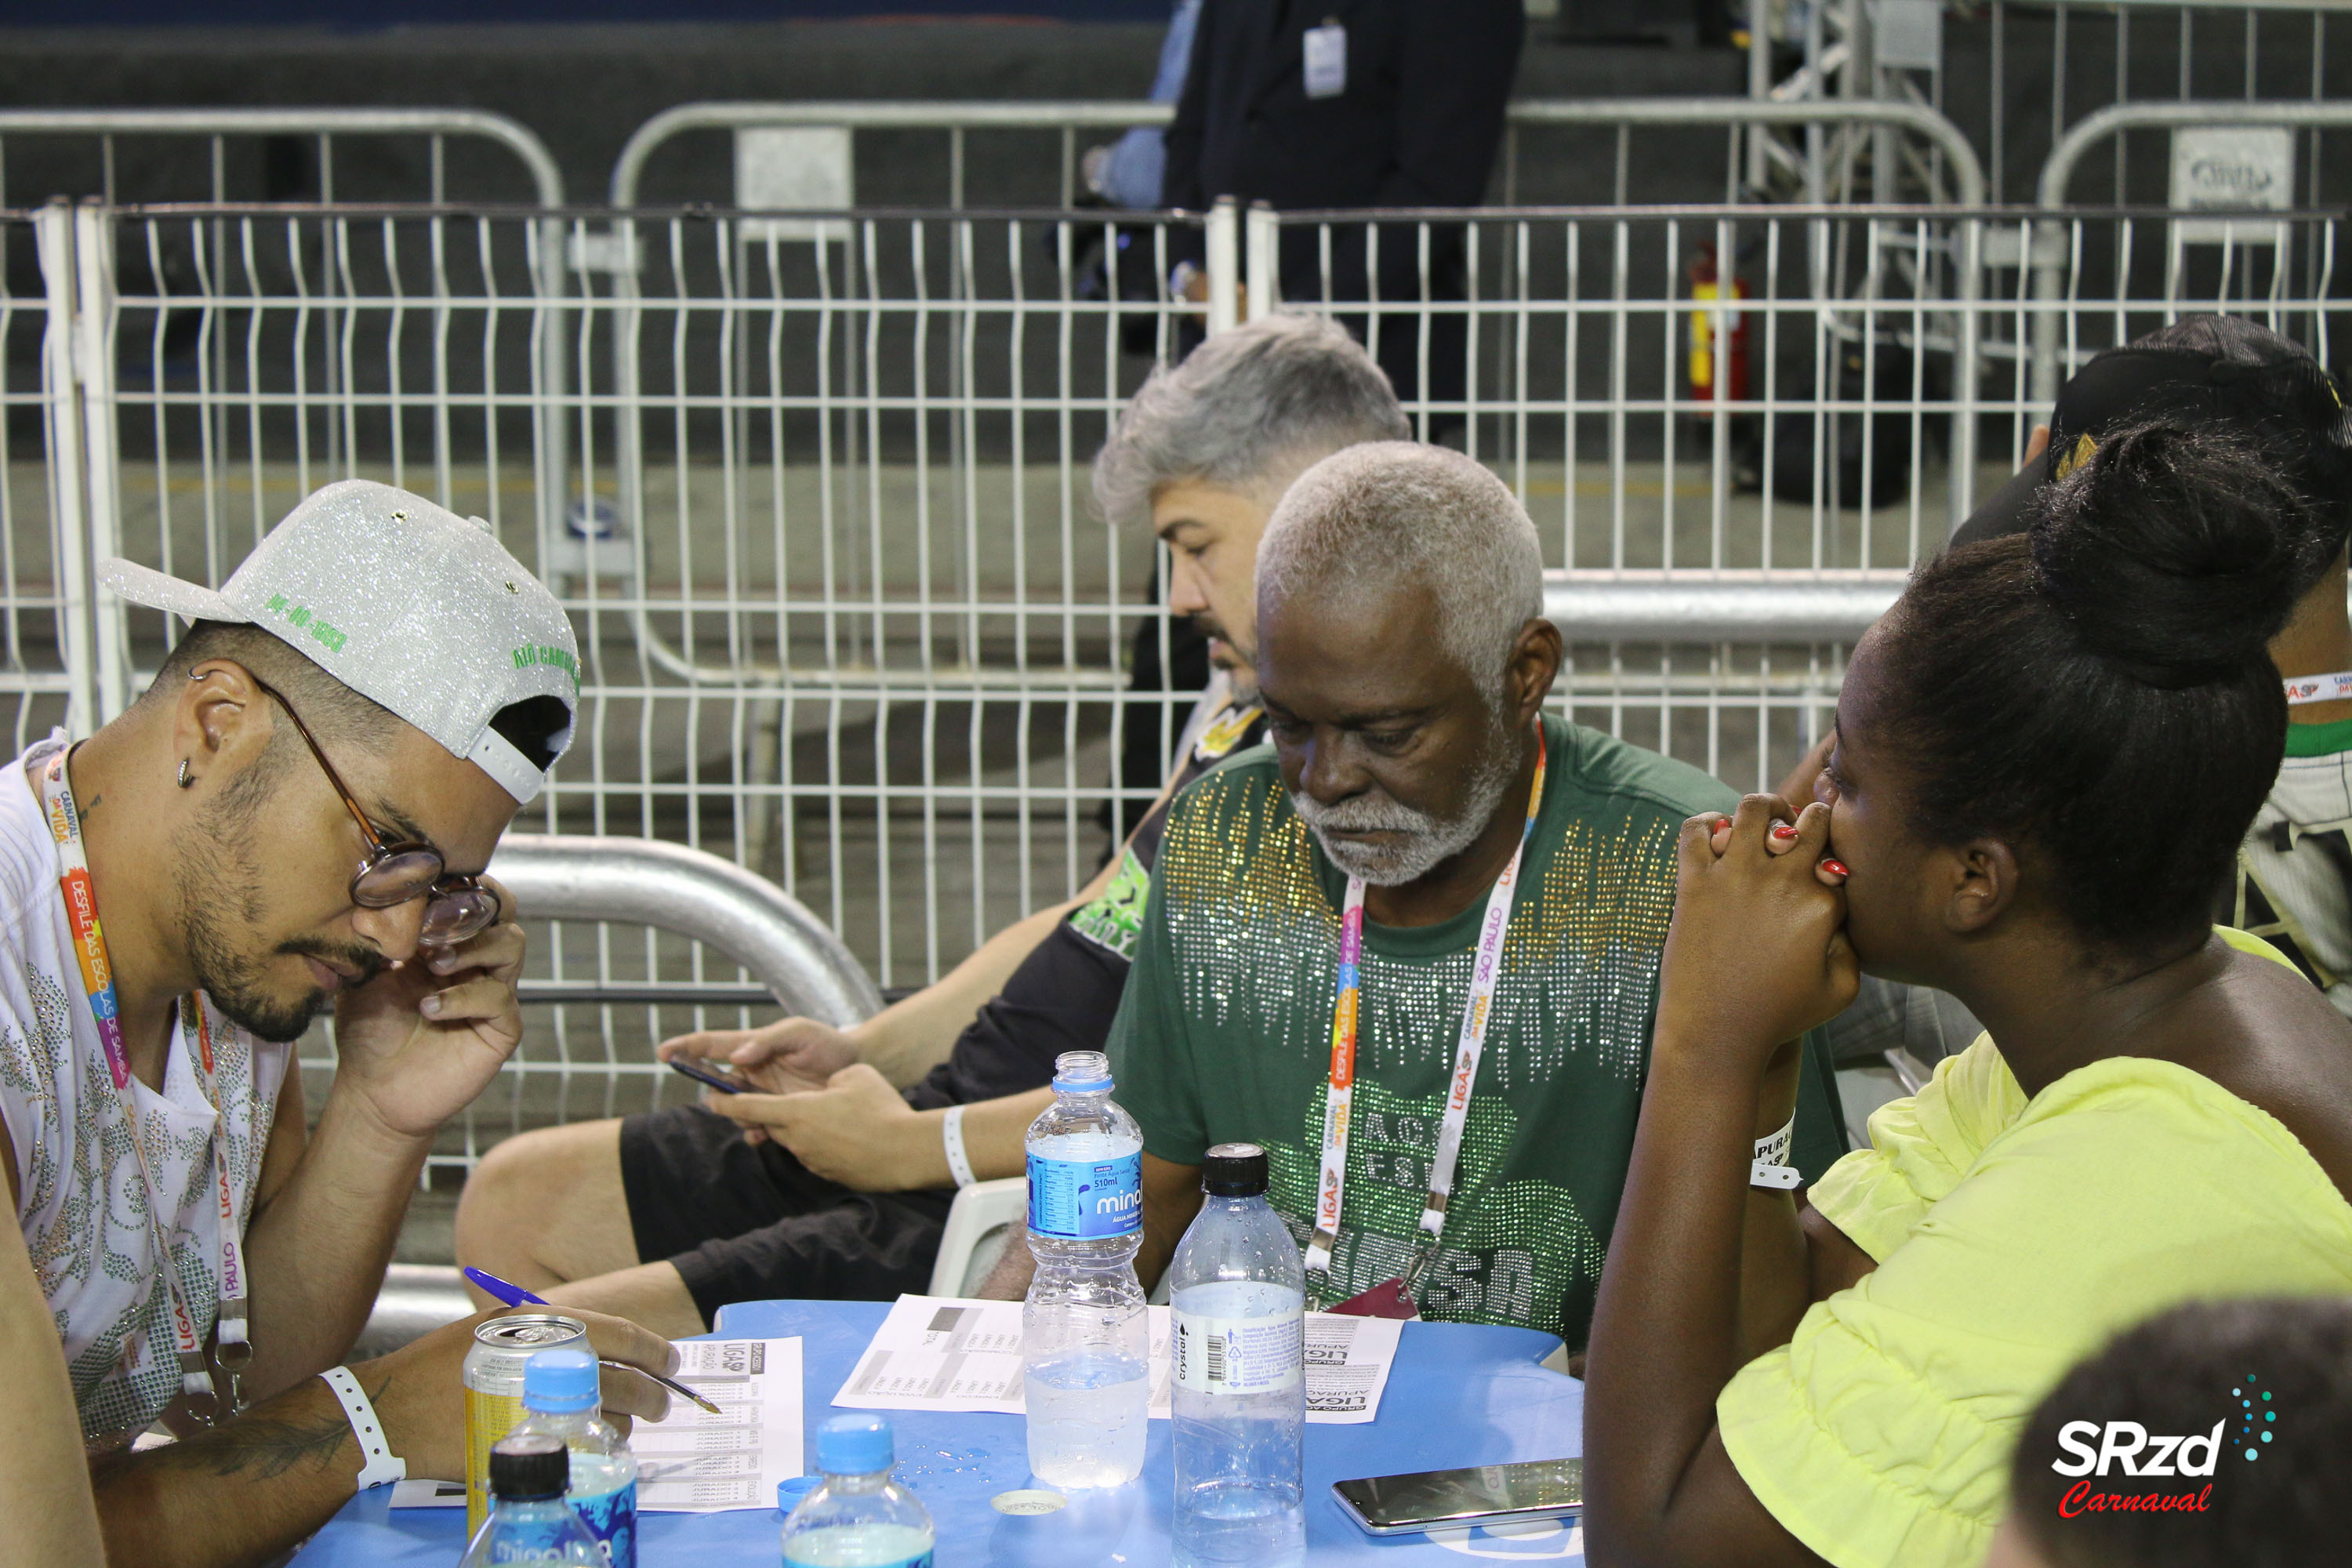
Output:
[[978, 1224]]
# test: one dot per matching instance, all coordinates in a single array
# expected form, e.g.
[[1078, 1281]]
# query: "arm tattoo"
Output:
[[265, 1446]]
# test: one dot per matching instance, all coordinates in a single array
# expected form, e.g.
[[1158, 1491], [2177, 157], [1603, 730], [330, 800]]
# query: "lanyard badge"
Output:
[[1394, 1297], [234, 1349]]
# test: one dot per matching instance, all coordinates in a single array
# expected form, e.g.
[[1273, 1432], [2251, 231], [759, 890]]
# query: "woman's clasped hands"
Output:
[[1757, 953]]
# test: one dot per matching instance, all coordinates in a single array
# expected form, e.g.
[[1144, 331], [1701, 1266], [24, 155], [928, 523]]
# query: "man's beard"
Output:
[[1427, 840], [221, 900]]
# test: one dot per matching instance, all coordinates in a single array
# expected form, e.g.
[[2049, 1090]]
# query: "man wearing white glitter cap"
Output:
[[295, 818]]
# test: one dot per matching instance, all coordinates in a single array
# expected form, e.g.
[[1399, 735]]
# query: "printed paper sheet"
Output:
[[692, 1461], [935, 1352]]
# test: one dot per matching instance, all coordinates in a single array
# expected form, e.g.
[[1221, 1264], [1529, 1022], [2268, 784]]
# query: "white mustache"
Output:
[[1361, 813]]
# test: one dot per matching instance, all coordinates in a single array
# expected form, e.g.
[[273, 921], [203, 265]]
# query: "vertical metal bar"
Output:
[[1264, 229], [1225, 264], [1759, 87], [94, 362], [1965, 372], [54, 232]]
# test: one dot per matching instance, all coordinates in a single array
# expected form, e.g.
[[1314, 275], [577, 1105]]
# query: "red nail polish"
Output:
[[1835, 868], [1783, 832]]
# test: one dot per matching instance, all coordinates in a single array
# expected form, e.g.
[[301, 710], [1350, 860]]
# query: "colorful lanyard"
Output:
[[1347, 1014], [234, 1349], [2303, 689]]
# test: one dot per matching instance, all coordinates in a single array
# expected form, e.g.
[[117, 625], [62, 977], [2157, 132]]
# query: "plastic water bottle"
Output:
[[559, 1393], [1085, 1345], [857, 1517], [529, 1519], [1238, 1298]]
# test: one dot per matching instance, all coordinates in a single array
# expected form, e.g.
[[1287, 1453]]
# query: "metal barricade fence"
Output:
[[827, 155], [39, 482], [2234, 170], [2050, 65], [272, 155], [2018, 75], [847, 616]]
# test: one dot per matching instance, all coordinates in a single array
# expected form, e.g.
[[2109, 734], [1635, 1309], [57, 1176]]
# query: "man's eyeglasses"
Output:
[[397, 872]]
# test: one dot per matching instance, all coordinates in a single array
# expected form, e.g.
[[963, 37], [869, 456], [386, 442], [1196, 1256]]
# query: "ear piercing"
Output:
[[185, 780]]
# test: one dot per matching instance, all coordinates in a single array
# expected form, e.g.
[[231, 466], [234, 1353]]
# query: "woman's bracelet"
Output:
[[1770, 1167]]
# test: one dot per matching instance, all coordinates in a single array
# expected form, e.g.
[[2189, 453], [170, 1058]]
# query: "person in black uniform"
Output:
[[1323, 104], [834, 1180]]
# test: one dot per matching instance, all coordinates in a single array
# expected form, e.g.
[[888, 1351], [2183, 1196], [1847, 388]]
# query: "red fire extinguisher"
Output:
[[1706, 290]]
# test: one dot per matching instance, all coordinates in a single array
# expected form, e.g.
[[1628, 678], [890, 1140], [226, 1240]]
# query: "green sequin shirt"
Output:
[[1224, 1033]]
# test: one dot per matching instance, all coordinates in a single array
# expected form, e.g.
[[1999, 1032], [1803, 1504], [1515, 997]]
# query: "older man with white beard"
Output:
[[1411, 947]]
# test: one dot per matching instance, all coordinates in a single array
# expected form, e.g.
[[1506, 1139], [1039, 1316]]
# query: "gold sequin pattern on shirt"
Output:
[[1254, 939]]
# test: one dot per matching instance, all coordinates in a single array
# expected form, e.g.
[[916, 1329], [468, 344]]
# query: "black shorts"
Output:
[[748, 1222]]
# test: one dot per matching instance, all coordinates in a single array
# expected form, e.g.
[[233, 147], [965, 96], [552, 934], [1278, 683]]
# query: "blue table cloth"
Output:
[[1460, 1394]]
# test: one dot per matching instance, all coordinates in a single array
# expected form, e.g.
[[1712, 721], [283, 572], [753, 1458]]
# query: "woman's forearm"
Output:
[[1668, 1327], [44, 1493], [1775, 1285]]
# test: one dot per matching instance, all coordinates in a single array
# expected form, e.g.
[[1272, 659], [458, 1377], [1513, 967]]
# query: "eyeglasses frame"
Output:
[[378, 850]]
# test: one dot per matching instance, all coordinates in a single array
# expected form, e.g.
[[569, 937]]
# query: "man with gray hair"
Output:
[[858, 1138], [1411, 947], [1206, 449]]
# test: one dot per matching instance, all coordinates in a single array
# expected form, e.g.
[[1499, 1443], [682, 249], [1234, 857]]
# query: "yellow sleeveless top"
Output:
[[2013, 1237]]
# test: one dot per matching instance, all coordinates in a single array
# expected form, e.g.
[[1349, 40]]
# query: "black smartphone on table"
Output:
[[1481, 1494], [720, 1079]]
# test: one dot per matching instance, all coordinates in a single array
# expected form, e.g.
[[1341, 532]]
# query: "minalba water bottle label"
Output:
[[611, 1518], [1085, 1199], [1236, 1355]]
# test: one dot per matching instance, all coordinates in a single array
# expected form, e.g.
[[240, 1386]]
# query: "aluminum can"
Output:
[[493, 1378]]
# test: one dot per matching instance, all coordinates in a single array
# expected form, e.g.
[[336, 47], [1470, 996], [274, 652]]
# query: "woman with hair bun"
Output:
[[2046, 755]]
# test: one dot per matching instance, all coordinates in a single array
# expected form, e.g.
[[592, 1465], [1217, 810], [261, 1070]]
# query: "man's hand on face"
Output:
[[856, 1130], [421, 1041], [418, 1392]]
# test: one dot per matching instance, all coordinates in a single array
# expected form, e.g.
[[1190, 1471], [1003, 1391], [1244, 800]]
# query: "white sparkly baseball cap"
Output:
[[405, 603]]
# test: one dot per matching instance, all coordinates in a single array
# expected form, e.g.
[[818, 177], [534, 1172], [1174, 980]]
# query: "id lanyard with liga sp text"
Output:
[[1347, 1015], [234, 1350]]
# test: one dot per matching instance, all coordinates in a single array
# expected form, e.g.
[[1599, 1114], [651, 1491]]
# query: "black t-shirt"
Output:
[[1065, 993]]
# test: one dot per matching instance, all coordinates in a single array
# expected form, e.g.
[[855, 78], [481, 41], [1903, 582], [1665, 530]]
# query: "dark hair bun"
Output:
[[2178, 554]]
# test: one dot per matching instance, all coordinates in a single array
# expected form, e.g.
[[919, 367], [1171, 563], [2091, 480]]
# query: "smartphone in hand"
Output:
[[723, 1079]]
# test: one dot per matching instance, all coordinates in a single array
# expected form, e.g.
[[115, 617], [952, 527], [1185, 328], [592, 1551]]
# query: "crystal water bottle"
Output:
[[561, 1396], [1237, 1295], [529, 1519], [857, 1517], [1085, 1342]]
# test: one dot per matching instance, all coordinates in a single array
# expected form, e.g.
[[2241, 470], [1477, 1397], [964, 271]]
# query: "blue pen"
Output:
[[510, 1295], [505, 1295]]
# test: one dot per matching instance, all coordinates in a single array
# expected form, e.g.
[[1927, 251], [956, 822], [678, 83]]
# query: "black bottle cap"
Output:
[[1233, 1171], [530, 1467]]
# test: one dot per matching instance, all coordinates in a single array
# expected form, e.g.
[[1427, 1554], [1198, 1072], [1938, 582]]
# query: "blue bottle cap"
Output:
[[790, 1492], [559, 1383], [857, 1444]]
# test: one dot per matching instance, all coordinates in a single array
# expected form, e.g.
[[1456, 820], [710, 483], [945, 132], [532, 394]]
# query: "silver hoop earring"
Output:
[[185, 780]]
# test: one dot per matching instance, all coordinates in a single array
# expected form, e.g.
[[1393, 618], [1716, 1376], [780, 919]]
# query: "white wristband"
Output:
[[1770, 1167], [951, 1138], [383, 1467]]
